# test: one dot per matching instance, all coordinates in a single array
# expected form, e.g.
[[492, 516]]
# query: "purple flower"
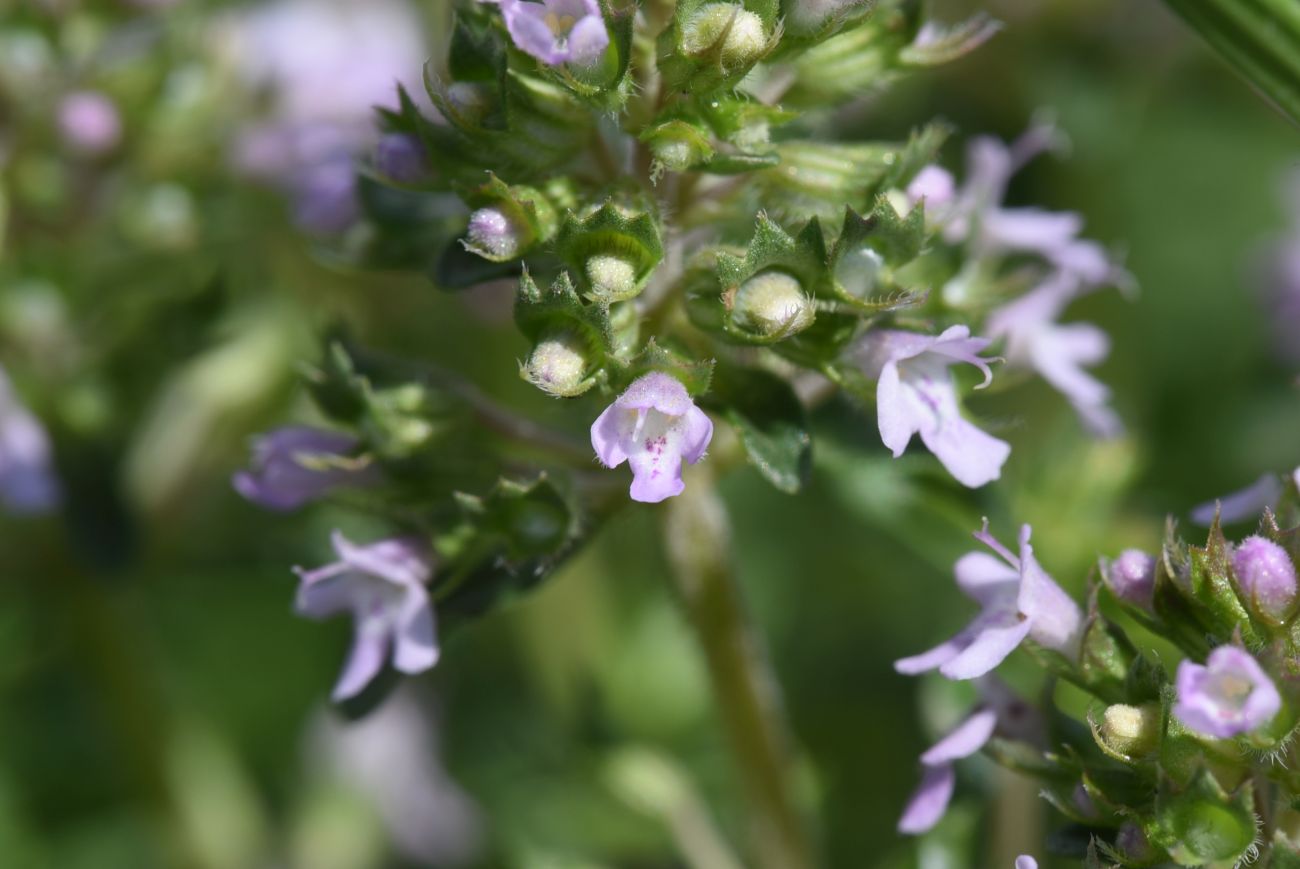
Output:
[[27, 482], [1266, 576], [915, 394], [934, 186], [297, 464], [89, 122], [557, 31], [1242, 504], [383, 586], [325, 197], [1018, 600], [1058, 352], [1228, 696], [1003, 712], [1132, 577], [652, 426], [1025, 861], [930, 800]]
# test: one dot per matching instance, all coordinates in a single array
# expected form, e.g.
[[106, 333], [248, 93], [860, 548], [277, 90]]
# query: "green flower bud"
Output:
[[558, 364], [728, 28], [772, 304], [1131, 731], [858, 272], [472, 101]]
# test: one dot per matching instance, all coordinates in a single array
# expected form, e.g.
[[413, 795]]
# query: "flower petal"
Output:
[[588, 40], [965, 739], [897, 416], [415, 641], [970, 454], [697, 432], [982, 576], [990, 647], [364, 660], [929, 801]]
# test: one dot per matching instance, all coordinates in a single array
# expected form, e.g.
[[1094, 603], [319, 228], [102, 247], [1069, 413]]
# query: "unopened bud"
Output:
[[807, 16], [400, 157], [857, 272], [1132, 731], [1133, 844], [611, 276], [558, 364], [772, 304], [492, 234], [473, 101], [1266, 576], [743, 40], [1132, 576]]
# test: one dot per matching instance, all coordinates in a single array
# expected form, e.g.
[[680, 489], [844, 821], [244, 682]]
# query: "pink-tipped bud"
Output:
[[1132, 577], [1266, 576]]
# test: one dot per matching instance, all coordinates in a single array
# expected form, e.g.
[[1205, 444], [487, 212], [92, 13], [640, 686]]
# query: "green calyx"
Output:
[[572, 341], [613, 250]]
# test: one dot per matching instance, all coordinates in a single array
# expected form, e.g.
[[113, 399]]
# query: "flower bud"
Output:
[[558, 364], [1131, 577], [1266, 576], [492, 234], [1132, 731], [731, 29], [400, 157], [89, 122], [472, 101], [857, 271], [1133, 844], [611, 276], [772, 304]]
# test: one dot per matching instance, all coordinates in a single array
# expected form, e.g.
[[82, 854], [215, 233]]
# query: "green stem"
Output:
[[697, 536]]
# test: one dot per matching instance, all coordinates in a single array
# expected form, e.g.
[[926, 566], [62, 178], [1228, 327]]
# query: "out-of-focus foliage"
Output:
[[161, 708]]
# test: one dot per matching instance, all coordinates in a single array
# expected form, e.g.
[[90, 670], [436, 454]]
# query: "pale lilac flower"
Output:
[[930, 800], [1242, 504], [1018, 599], [1266, 576], [383, 586], [974, 213], [1058, 352], [1230, 695], [89, 122], [1002, 712], [325, 66], [557, 31], [393, 759], [1025, 861], [653, 426], [325, 197], [27, 482], [915, 394], [297, 464], [1132, 577]]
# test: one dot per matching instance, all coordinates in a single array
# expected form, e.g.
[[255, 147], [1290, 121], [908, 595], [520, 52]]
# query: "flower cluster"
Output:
[[1175, 769]]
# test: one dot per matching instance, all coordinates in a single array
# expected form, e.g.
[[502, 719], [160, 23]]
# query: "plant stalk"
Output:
[[697, 536]]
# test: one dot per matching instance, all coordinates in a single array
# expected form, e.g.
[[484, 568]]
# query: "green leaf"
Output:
[[950, 43], [1260, 38], [770, 421]]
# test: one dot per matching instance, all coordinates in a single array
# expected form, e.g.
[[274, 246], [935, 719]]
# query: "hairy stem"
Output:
[[697, 534]]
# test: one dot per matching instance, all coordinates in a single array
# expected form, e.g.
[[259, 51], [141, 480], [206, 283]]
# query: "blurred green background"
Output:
[[162, 707]]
